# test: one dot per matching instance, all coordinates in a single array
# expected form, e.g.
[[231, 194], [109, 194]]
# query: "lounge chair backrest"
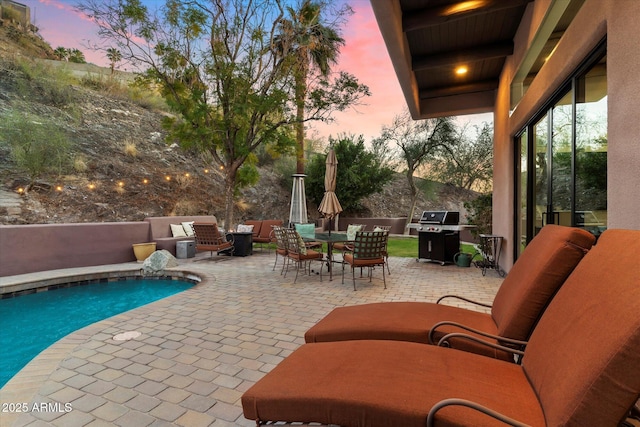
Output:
[[535, 278], [582, 359], [207, 233], [267, 226]]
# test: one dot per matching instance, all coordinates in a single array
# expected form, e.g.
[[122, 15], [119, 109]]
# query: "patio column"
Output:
[[298, 211]]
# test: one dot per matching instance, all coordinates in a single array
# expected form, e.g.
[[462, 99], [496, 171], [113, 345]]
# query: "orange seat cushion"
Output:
[[387, 383], [526, 291]]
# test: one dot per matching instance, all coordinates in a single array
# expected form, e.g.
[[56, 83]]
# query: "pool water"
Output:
[[31, 323]]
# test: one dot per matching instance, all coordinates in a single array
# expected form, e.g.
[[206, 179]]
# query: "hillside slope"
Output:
[[124, 167]]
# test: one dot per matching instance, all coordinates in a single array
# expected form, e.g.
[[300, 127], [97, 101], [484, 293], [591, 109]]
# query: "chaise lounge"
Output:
[[581, 366], [534, 279]]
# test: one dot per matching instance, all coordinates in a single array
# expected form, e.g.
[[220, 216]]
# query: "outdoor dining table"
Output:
[[330, 239]]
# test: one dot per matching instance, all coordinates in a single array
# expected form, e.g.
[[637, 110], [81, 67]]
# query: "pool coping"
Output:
[[20, 284], [23, 386]]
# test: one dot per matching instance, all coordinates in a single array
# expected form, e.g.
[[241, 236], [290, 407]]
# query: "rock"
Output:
[[158, 262]]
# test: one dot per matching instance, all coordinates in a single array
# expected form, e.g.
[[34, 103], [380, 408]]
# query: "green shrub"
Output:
[[480, 214], [45, 83], [38, 146]]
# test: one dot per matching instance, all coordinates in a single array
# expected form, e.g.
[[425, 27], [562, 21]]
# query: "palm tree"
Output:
[[61, 53], [113, 55], [310, 44]]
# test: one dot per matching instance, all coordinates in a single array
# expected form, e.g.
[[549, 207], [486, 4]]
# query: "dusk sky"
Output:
[[364, 55]]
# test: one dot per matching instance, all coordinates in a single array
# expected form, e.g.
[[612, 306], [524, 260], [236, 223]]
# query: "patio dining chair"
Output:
[[386, 228], [280, 237], [368, 252], [536, 276], [581, 366], [299, 254], [208, 238]]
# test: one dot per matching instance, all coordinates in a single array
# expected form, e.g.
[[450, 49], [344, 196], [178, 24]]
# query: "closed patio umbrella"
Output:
[[330, 206]]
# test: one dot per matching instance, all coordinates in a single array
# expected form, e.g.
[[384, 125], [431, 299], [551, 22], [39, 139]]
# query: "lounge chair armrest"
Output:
[[464, 299], [475, 331], [445, 342], [473, 405]]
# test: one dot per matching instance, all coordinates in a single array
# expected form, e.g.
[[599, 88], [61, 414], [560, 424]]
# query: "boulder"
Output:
[[157, 262]]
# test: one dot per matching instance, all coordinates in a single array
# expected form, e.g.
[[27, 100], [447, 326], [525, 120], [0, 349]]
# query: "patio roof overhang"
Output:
[[429, 40]]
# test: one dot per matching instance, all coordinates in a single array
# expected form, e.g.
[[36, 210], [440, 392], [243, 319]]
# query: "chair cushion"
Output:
[[302, 248], [401, 321], [308, 231], [188, 228], [352, 229], [177, 230], [534, 279], [583, 357], [386, 383], [244, 228], [359, 262]]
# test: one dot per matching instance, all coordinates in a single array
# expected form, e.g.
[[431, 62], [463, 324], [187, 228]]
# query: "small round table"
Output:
[[490, 246]]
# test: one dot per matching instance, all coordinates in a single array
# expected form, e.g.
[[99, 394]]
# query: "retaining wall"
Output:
[[40, 247]]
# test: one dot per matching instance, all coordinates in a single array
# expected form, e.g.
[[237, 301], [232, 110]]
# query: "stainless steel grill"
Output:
[[438, 236]]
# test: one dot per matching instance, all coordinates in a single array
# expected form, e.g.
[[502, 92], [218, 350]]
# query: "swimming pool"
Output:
[[31, 323]]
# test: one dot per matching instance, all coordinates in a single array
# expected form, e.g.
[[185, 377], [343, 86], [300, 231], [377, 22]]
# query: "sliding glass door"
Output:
[[562, 165]]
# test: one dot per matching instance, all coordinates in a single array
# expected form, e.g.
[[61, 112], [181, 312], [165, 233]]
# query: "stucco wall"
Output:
[[41, 247], [617, 20], [623, 79]]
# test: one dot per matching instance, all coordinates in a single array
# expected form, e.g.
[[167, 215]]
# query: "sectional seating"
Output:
[[264, 235]]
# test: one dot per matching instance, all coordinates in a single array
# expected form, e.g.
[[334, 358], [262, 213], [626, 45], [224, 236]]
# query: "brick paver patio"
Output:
[[201, 349]]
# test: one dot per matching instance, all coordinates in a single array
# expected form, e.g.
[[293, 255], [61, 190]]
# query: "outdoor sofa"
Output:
[[161, 230]]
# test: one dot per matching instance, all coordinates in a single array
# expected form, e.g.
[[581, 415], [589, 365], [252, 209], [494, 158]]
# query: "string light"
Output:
[[20, 190], [121, 184]]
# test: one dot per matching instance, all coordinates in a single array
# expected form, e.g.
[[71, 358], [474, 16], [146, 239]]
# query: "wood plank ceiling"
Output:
[[439, 37]]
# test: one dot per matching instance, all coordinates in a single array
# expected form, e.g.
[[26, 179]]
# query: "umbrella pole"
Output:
[[330, 225]]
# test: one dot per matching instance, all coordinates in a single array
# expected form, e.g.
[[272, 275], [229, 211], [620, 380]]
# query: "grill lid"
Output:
[[440, 217]]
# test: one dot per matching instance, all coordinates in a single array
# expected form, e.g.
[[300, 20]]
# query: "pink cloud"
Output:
[[365, 56]]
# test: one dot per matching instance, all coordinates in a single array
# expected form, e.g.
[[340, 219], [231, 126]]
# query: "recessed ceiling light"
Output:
[[464, 6], [462, 70]]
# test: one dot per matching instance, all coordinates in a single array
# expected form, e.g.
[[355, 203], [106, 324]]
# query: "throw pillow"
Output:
[[177, 230], [351, 231], [188, 228], [302, 247], [378, 229], [243, 228], [308, 231]]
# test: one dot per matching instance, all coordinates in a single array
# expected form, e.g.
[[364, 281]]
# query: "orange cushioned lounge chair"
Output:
[[526, 291], [581, 366], [209, 238]]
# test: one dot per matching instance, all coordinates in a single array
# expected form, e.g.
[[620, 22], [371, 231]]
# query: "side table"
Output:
[[242, 242], [185, 249], [490, 248]]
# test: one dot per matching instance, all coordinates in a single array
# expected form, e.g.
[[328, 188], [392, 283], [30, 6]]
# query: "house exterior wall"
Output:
[[615, 19], [22, 9]]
